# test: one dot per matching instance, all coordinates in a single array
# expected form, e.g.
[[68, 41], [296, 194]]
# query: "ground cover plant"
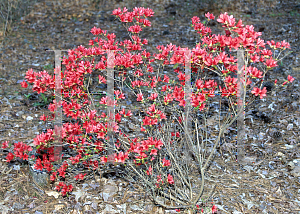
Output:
[[203, 96]]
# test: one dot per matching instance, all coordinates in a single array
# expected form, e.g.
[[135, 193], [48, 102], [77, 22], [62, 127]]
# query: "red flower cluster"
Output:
[[20, 151], [80, 176], [209, 54], [63, 188], [258, 92]]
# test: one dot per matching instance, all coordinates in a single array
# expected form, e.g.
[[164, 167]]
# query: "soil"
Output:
[[269, 183]]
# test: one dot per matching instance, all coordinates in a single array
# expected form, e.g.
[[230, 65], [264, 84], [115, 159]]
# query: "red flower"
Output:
[[166, 162], [128, 114], [103, 159], [255, 72], [170, 179], [53, 176], [145, 42], [117, 12], [101, 79], [209, 16], [43, 117], [5, 145], [70, 188], [139, 97], [149, 171], [153, 152], [153, 96], [257, 91], [121, 157], [38, 165], [270, 63], [146, 121], [47, 165], [24, 84], [181, 76], [158, 144], [80, 176], [195, 19], [9, 157], [61, 171], [135, 29], [96, 31], [285, 44], [263, 93], [214, 209], [290, 78], [65, 189]]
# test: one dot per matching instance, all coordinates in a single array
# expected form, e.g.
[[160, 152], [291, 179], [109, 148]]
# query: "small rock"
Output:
[[53, 193], [135, 207], [16, 167], [122, 207], [94, 205], [296, 171], [77, 30], [284, 121], [109, 191], [78, 194], [19, 113], [86, 208], [290, 126], [29, 118], [277, 135], [18, 206], [41, 178], [59, 206], [291, 165], [109, 208], [94, 186], [149, 207]]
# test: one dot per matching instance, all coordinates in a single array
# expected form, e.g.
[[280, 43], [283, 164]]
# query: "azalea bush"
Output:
[[172, 142]]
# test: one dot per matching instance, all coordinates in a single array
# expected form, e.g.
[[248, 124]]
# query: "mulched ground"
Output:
[[268, 184]]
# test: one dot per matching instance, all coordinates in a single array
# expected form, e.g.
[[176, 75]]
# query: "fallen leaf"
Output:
[[78, 194], [52, 193]]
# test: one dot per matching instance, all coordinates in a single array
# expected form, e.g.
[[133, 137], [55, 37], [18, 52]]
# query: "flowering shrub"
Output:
[[157, 155]]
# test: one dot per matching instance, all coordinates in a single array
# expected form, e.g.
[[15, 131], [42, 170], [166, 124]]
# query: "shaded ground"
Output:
[[265, 186]]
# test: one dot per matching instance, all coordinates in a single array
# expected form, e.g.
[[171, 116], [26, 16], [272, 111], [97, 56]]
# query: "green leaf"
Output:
[[37, 104], [44, 98], [27, 95], [175, 66]]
